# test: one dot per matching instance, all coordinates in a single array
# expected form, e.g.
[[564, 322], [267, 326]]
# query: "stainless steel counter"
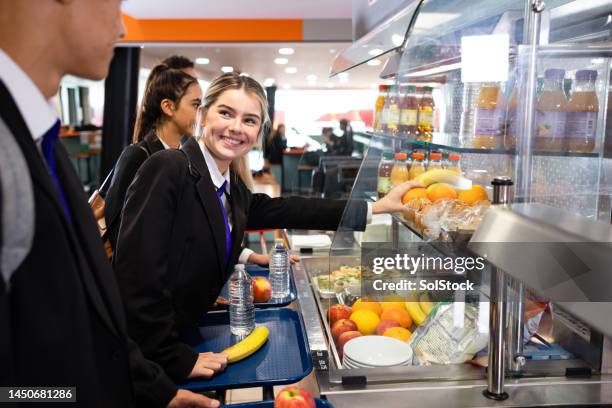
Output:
[[548, 391]]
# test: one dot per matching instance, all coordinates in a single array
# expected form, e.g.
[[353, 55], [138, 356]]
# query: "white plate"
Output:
[[377, 351]]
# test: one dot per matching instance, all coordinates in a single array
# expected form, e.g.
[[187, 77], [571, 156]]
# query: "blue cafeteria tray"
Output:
[[283, 359], [256, 270], [270, 404]]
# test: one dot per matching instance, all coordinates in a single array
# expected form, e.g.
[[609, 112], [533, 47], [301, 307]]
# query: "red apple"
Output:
[[294, 397], [337, 312], [262, 290], [384, 325], [345, 338], [341, 326]]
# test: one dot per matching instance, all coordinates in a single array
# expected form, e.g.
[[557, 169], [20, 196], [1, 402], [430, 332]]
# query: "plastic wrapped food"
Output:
[[445, 339]]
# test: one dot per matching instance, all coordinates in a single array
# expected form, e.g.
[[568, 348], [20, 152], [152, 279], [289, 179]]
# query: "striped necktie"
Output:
[[228, 233], [49, 142]]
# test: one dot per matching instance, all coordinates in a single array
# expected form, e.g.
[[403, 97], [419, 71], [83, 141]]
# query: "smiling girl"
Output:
[[185, 218]]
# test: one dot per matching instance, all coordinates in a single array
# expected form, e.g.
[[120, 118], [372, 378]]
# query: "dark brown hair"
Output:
[[163, 83], [178, 62]]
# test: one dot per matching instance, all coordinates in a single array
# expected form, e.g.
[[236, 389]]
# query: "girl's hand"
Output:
[[209, 364], [392, 202]]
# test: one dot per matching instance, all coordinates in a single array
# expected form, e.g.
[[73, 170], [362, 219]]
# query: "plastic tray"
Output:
[[270, 404], [283, 359], [255, 270]]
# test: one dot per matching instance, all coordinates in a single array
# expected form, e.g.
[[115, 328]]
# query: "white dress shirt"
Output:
[[218, 179]]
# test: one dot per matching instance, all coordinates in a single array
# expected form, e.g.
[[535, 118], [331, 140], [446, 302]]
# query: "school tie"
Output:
[[228, 233], [49, 142]]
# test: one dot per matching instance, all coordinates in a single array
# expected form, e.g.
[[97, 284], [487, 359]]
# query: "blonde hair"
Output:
[[226, 82]]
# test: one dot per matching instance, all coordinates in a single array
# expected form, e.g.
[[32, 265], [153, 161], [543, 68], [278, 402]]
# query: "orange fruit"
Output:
[[398, 333], [441, 191], [366, 321], [373, 306], [475, 194], [390, 304], [418, 192], [397, 314]]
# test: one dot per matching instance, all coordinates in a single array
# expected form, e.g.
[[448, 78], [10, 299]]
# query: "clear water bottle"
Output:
[[279, 270], [242, 311]]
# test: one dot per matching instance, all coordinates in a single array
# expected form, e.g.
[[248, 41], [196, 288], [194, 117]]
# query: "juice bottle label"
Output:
[[489, 122], [426, 118], [408, 117], [394, 116], [384, 185], [550, 125], [581, 125]]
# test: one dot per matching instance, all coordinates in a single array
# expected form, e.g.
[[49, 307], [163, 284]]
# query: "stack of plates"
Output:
[[376, 351]]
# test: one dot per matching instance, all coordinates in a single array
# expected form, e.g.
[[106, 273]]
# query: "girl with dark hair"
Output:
[[167, 113]]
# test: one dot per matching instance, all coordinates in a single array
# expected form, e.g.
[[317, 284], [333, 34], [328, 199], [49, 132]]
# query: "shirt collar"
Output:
[[217, 177], [38, 113], [166, 147]]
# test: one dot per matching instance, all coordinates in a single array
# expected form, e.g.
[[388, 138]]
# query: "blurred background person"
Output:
[[275, 146]]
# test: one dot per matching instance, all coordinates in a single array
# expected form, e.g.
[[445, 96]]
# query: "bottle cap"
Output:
[[435, 156], [401, 156], [586, 74], [454, 156], [382, 88], [554, 74], [279, 241], [418, 156], [388, 156]]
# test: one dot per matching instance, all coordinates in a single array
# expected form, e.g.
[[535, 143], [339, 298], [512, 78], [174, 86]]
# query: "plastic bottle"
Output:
[[418, 165], [551, 112], [582, 110], [454, 163], [279, 270], [384, 115], [399, 172], [378, 107], [435, 161], [426, 108], [409, 113], [242, 311], [489, 118], [394, 111], [384, 175]]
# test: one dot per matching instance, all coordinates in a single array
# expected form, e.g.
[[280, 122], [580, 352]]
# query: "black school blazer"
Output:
[[62, 322], [170, 254]]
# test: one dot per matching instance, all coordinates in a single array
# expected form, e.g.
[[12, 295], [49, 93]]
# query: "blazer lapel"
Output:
[[237, 204], [208, 197]]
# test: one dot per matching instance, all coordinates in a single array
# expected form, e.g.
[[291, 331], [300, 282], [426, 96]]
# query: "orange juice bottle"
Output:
[[551, 112], [489, 120], [418, 165], [393, 113], [426, 108], [399, 173], [384, 175], [454, 163], [435, 161], [582, 110], [378, 107], [511, 118]]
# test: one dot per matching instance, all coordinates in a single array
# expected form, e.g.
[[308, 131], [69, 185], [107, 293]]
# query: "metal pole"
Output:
[[497, 311], [516, 317]]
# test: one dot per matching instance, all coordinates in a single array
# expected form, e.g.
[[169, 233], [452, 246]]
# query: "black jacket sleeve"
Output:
[[305, 213], [141, 262], [125, 170]]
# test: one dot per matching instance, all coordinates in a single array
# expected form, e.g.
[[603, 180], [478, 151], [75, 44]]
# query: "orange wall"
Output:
[[212, 30]]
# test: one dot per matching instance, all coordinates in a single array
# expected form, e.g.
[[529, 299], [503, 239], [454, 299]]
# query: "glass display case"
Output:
[[486, 89]]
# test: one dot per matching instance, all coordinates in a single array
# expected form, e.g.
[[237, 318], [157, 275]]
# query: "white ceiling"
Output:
[[239, 9], [258, 61]]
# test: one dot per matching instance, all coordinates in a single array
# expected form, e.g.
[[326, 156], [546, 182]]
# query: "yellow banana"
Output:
[[425, 304], [444, 176], [248, 346], [417, 315]]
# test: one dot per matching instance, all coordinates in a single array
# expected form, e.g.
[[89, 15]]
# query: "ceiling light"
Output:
[[227, 69], [285, 51], [268, 82], [311, 77], [374, 62], [281, 61], [202, 61], [287, 86], [375, 51], [397, 39], [291, 70]]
